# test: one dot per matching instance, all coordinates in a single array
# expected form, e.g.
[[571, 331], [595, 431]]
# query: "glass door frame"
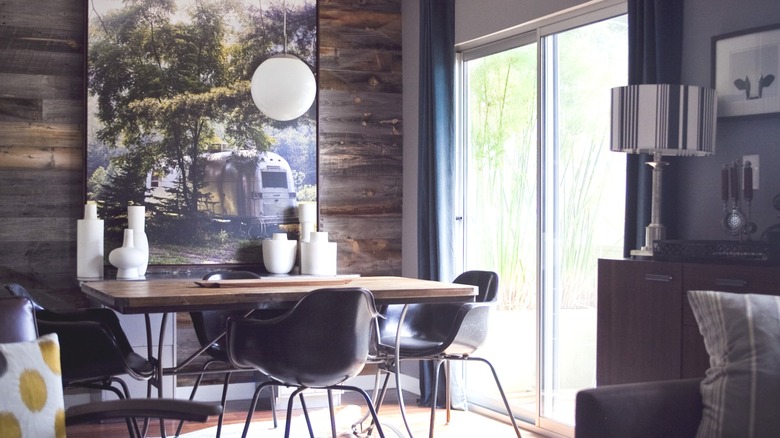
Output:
[[534, 32]]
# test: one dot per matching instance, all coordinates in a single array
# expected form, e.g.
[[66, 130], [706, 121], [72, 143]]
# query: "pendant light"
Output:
[[283, 86]]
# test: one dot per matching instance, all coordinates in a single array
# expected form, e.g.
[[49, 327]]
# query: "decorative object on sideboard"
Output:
[[662, 119], [279, 254], [89, 243], [283, 86], [307, 217], [318, 256], [736, 192], [136, 219], [127, 258], [745, 68]]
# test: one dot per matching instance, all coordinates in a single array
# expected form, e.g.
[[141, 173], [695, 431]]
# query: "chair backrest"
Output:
[[322, 341], [17, 320], [18, 290], [209, 324], [434, 321], [486, 282], [457, 327]]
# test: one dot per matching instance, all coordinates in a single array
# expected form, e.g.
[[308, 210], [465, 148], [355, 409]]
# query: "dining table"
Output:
[[167, 296]]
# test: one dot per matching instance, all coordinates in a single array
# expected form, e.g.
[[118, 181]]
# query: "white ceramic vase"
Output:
[[136, 221], [127, 258], [318, 256], [279, 254], [89, 244]]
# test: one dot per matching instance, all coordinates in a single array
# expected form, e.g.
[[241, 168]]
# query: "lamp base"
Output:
[[642, 253]]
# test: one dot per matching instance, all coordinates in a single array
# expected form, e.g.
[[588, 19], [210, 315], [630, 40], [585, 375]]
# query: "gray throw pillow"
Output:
[[741, 390]]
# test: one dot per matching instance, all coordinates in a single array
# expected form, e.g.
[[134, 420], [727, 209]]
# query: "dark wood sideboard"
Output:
[[646, 329]]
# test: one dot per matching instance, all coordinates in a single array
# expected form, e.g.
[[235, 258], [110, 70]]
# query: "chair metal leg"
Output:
[[448, 389], [378, 399], [224, 404], [501, 391], [332, 413], [195, 387], [436, 368], [297, 392], [251, 410], [371, 409]]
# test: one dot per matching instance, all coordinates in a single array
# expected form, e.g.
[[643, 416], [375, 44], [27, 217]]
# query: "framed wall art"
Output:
[[171, 124], [745, 71]]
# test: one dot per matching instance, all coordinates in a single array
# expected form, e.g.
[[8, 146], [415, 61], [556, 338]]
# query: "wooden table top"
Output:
[[183, 295]]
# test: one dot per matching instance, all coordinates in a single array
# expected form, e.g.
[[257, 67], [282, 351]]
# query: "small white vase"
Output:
[[136, 217], [127, 258], [279, 254], [318, 256]]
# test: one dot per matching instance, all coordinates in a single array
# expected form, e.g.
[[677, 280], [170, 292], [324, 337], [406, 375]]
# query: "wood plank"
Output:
[[67, 15], [377, 144], [41, 193], [41, 39], [28, 86], [63, 135], [386, 62], [361, 81], [65, 111], [37, 229], [43, 63], [18, 110], [67, 158]]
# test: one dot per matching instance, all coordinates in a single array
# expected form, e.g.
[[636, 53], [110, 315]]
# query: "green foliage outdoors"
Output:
[[583, 205]]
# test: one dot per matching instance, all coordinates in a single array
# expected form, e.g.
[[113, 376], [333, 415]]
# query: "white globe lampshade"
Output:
[[283, 87]]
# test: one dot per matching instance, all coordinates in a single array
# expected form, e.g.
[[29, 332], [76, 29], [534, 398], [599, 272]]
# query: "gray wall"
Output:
[[700, 211]]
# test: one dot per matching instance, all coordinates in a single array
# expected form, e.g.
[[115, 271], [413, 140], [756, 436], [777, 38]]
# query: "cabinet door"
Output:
[[728, 278], [639, 321]]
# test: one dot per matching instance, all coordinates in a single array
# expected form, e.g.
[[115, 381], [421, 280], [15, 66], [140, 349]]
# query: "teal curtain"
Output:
[[655, 29], [436, 156], [436, 171]]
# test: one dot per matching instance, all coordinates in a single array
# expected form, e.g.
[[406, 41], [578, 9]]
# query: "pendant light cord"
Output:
[[284, 29]]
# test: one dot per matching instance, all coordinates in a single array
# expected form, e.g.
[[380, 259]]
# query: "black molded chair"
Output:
[[95, 349], [210, 326], [441, 333], [320, 343], [18, 324]]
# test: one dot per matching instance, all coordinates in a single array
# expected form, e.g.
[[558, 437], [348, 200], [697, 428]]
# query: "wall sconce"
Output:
[[662, 119], [283, 86]]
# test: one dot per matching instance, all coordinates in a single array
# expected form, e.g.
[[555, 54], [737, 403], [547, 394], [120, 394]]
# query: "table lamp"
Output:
[[662, 119]]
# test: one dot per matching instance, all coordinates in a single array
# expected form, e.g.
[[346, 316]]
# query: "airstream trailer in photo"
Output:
[[247, 186]]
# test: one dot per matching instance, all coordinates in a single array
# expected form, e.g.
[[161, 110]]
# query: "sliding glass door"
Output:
[[543, 200]]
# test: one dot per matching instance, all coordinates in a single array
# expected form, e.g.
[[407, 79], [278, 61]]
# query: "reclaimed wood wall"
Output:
[[42, 139]]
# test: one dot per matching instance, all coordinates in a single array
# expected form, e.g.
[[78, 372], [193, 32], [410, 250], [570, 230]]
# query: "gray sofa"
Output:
[[664, 409]]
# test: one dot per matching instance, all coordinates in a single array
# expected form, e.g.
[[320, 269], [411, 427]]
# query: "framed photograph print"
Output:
[[172, 125], [746, 66]]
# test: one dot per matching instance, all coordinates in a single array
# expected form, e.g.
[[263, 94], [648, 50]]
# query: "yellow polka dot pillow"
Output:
[[31, 401]]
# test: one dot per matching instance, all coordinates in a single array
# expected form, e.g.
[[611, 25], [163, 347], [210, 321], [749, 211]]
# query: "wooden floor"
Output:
[[463, 424]]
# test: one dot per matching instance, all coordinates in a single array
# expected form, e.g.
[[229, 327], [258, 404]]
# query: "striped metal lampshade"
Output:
[[665, 119]]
